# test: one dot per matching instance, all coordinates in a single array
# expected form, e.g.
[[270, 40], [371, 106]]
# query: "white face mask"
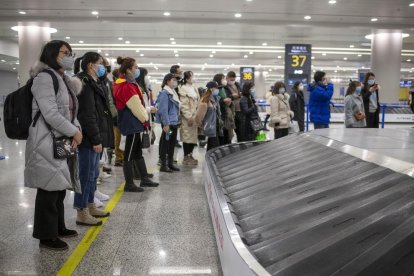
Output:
[[282, 91], [300, 87], [147, 81], [224, 82]]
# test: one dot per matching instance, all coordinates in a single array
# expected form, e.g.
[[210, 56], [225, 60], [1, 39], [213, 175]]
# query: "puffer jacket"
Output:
[[94, 114], [354, 104], [280, 113], [319, 103], [42, 170]]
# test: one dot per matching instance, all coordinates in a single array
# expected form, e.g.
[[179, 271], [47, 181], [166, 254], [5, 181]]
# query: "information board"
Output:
[[298, 63], [246, 75]]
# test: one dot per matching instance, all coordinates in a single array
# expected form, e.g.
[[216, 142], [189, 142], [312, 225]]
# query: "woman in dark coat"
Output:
[[297, 104], [370, 95], [249, 112]]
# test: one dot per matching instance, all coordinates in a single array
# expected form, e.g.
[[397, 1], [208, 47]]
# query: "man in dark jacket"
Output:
[[321, 92], [233, 93], [297, 105]]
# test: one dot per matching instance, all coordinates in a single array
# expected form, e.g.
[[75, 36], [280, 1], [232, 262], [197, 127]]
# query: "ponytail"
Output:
[[76, 68], [82, 62]]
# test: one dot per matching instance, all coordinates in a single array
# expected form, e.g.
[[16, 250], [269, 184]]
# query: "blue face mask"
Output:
[[137, 73], [215, 92], [358, 90], [371, 82], [253, 92], [101, 71]]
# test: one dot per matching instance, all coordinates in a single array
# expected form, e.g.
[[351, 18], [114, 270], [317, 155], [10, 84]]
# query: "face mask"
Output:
[[174, 85], [231, 82], [253, 92], [300, 87], [146, 80], [101, 71], [137, 73], [371, 82], [358, 90], [215, 92], [224, 82], [67, 63], [282, 91]]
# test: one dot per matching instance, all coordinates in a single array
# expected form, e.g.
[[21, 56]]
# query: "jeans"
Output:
[[320, 126], [88, 174], [168, 146]]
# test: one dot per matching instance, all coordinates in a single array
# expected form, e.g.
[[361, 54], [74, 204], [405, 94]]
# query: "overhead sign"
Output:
[[298, 63], [246, 75]]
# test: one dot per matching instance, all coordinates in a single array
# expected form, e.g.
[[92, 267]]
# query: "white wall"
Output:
[[8, 83]]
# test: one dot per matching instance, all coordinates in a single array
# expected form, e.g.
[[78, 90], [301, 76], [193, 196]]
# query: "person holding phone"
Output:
[[354, 106], [371, 100]]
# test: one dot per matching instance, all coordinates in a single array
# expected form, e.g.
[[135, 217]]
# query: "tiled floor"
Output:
[[163, 231]]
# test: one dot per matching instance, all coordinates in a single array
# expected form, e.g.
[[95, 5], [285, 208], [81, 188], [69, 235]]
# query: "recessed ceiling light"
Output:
[[167, 13], [238, 15], [264, 44], [374, 19], [360, 55], [211, 56], [345, 58], [351, 46], [249, 0], [324, 54], [141, 55], [17, 62], [219, 43], [232, 64], [308, 17], [279, 57], [332, 2], [175, 51], [246, 56], [205, 64], [22, 12], [177, 55], [137, 51], [213, 52], [251, 53], [411, 5], [313, 58], [120, 38], [99, 50], [172, 38], [408, 60], [81, 41], [3, 60], [127, 42], [336, 71], [94, 12], [14, 68], [270, 70], [106, 54], [173, 42], [68, 37], [259, 65]]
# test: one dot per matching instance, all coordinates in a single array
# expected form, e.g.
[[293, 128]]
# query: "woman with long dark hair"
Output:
[[249, 111], [370, 95], [354, 106]]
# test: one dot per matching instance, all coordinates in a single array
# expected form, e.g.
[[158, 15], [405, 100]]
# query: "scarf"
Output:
[[174, 94]]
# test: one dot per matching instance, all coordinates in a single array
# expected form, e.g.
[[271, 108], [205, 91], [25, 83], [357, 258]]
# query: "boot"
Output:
[[164, 167], [146, 181], [172, 166], [129, 178], [67, 233], [95, 212], [137, 174], [84, 218], [186, 160]]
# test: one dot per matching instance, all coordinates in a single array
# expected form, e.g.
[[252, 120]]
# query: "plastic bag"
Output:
[[294, 127], [261, 136]]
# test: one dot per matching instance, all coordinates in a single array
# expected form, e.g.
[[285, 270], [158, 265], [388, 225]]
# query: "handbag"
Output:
[[62, 147], [256, 124], [145, 140]]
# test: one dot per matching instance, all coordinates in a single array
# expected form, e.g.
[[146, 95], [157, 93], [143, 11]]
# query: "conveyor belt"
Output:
[[306, 209]]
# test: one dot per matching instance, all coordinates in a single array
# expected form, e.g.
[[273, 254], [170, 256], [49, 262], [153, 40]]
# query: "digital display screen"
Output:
[[298, 63], [246, 75]]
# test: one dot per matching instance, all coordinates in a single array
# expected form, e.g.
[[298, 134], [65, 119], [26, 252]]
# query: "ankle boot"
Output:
[[172, 166], [84, 218], [129, 178], [164, 167], [95, 212], [146, 182]]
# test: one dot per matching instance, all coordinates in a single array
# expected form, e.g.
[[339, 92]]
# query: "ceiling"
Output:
[[198, 26]]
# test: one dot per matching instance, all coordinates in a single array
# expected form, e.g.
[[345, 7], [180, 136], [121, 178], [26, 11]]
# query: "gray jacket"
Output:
[[354, 104], [42, 170]]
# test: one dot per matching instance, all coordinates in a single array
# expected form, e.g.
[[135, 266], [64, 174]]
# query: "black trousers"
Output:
[[238, 121], [168, 146], [188, 148], [266, 120], [373, 120], [49, 217], [225, 139], [212, 142], [282, 132]]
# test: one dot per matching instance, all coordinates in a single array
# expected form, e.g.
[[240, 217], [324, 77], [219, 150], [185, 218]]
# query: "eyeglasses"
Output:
[[68, 54]]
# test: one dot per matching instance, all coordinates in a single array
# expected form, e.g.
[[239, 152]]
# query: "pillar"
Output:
[[386, 49], [31, 40], [260, 83]]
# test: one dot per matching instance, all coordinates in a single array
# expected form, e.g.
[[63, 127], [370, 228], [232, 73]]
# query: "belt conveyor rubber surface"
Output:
[[306, 209]]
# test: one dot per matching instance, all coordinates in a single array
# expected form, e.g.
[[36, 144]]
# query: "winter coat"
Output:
[[112, 104], [319, 103], [267, 97], [168, 108], [188, 134], [249, 112], [94, 114], [354, 104], [280, 113], [297, 105], [42, 170]]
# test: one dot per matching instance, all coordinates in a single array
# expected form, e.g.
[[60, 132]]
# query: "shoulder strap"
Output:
[[56, 88]]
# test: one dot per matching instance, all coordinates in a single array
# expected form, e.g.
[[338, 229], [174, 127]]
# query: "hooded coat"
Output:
[[319, 103], [42, 170], [188, 134]]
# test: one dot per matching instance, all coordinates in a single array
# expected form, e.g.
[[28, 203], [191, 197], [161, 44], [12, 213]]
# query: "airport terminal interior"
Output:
[[305, 168]]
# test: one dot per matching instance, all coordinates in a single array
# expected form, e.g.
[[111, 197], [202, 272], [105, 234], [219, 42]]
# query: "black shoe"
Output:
[[133, 189], [119, 164], [165, 168], [107, 170], [177, 145], [146, 182], [150, 175], [173, 167], [67, 233], [56, 245]]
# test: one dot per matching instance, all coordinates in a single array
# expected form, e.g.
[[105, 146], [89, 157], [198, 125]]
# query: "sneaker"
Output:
[[85, 218], [97, 202], [95, 212], [107, 170], [101, 196], [56, 244], [193, 160], [187, 161], [104, 175], [66, 233]]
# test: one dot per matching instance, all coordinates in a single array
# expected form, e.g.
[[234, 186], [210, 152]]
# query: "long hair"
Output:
[[187, 76], [219, 78], [167, 78], [352, 87], [82, 62], [206, 96], [246, 88], [277, 86], [50, 52], [366, 78], [141, 79]]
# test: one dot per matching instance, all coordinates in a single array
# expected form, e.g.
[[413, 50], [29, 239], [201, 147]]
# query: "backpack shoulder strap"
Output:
[[56, 88]]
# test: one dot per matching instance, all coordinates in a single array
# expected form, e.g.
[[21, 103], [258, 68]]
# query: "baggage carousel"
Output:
[[329, 202]]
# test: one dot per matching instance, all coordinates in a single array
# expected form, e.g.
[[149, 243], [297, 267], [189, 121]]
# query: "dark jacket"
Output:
[[319, 103], [249, 111], [297, 105], [365, 96], [94, 114]]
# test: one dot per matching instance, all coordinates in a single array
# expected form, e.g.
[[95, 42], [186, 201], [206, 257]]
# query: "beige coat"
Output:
[[280, 113], [267, 97], [188, 134]]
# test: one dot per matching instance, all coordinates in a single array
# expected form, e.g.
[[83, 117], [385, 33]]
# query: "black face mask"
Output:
[[108, 69]]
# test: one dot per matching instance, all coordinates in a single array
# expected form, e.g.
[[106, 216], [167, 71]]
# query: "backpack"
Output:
[[17, 112]]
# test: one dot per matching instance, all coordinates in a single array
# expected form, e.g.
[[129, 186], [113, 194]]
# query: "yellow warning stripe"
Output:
[[77, 255]]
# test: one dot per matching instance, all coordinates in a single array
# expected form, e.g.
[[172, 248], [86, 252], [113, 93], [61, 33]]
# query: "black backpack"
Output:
[[17, 113]]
